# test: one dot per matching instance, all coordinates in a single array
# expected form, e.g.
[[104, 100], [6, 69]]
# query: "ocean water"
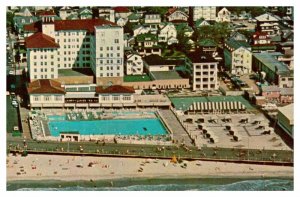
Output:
[[207, 184], [109, 127]]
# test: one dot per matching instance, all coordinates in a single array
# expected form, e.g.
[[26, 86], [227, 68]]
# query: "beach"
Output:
[[71, 168]]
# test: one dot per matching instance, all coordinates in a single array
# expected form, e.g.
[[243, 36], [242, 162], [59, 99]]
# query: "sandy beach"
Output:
[[71, 168]]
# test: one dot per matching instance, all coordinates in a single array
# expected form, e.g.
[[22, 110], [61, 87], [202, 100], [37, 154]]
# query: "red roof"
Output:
[[115, 89], [46, 13], [45, 86], [171, 11], [85, 24], [121, 9], [40, 40]]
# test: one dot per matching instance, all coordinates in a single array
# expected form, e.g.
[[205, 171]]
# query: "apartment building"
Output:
[[206, 12], [56, 45], [238, 57], [268, 23], [204, 72]]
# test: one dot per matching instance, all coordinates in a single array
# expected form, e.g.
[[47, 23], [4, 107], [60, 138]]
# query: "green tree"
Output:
[[183, 44]]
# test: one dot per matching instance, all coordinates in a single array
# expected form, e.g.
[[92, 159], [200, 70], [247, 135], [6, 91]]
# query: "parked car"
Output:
[[11, 72], [14, 103]]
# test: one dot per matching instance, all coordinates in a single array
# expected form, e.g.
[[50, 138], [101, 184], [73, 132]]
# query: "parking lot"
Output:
[[12, 115]]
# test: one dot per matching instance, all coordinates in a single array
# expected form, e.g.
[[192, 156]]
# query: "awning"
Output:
[[94, 104], [52, 104], [117, 105], [129, 104], [69, 104], [145, 104], [106, 104], [81, 104], [80, 96]]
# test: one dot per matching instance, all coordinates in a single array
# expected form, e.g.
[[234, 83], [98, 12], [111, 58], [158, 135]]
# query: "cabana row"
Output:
[[217, 106]]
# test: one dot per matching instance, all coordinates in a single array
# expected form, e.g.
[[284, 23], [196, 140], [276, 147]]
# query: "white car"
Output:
[[14, 103], [11, 72]]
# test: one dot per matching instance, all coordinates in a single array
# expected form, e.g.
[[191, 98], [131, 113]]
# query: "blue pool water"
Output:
[[153, 126]]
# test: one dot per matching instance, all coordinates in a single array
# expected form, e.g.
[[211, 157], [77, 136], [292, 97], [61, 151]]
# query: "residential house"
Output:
[[272, 70], [238, 37], [121, 21], [201, 22], [175, 15], [153, 20], [185, 29], [204, 71], [134, 64], [140, 29], [134, 18], [268, 23], [65, 12], [147, 44], [167, 33], [85, 13], [24, 11], [238, 57], [205, 12], [261, 41], [224, 15], [122, 12], [107, 13]]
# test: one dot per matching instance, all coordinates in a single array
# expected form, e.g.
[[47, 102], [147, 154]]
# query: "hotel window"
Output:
[[41, 57], [116, 98], [111, 48], [107, 48], [101, 55], [35, 70], [47, 98], [52, 69], [111, 55], [41, 63], [118, 48], [58, 59], [35, 63], [45, 63], [107, 74], [101, 48], [34, 57], [35, 98], [116, 41], [65, 40], [105, 98], [118, 54], [58, 98], [118, 74], [35, 76]]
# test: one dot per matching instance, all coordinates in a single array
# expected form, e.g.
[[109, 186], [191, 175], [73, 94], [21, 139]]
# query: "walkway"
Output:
[[179, 132]]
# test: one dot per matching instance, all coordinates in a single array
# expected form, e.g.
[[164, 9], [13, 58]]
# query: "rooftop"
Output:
[[164, 75], [136, 78], [269, 59], [236, 44], [207, 42], [288, 111], [75, 72], [154, 60], [270, 89], [45, 86], [82, 24], [197, 57], [146, 37], [266, 17], [115, 89], [40, 40]]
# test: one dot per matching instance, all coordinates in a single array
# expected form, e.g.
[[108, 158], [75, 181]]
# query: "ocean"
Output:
[[201, 184]]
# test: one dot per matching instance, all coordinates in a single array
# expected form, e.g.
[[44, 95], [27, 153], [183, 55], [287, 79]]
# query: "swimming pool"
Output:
[[152, 126]]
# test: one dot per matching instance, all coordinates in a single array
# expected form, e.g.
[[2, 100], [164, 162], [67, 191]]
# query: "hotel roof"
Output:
[[40, 40], [121, 9], [45, 86], [64, 25], [115, 89]]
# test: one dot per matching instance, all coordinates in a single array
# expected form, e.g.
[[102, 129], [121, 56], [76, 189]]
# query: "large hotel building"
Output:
[[53, 46]]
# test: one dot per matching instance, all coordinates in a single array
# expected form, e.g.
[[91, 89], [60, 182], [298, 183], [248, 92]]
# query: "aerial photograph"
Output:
[[139, 98]]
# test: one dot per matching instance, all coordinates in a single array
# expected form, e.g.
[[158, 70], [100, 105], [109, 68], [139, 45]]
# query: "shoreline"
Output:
[[76, 168]]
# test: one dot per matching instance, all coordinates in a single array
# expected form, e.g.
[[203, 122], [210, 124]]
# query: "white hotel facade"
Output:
[[91, 43]]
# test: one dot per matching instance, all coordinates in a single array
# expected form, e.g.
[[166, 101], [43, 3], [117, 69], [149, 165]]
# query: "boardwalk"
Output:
[[179, 132]]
